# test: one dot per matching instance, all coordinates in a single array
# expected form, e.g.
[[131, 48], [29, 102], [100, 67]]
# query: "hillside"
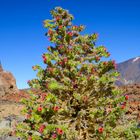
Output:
[[130, 71], [133, 90]]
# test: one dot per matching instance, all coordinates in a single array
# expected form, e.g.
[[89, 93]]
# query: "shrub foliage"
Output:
[[75, 96]]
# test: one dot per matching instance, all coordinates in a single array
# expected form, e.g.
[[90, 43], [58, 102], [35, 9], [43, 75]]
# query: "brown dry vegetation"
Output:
[[134, 100]]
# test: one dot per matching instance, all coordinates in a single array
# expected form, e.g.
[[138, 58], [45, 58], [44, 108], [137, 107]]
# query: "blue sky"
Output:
[[22, 39]]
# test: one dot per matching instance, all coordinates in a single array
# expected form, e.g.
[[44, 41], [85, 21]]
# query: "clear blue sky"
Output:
[[22, 39]]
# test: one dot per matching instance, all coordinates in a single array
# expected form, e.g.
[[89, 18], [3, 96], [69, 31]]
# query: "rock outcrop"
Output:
[[7, 83]]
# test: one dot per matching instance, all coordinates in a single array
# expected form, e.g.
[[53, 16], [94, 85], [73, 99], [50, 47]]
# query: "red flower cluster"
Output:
[[126, 97], [65, 59], [50, 32], [43, 96], [114, 64], [59, 131], [97, 58], [60, 27], [39, 109], [100, 129], [123, 106], [105, 63], [54, 136], [44, 58], [60, 47], [56, 108], [57, 18], [60, 63], [41, 128], [70, 34]]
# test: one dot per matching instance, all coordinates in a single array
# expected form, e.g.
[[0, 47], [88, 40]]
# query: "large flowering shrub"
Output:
[[75, 97]]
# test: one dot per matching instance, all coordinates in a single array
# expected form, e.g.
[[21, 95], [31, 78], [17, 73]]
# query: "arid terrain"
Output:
[[10, 104], [134, 100]]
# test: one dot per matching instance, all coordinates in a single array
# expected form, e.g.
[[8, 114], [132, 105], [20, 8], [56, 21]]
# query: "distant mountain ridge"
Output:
[[130, 71]]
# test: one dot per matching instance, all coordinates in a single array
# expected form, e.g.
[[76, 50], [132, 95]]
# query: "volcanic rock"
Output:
[[7, 83]]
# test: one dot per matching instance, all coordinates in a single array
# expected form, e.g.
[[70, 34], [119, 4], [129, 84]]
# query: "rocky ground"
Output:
[[134, 100], [10, 114]]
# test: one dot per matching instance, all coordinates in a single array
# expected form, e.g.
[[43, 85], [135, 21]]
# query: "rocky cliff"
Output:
[[7, 83]]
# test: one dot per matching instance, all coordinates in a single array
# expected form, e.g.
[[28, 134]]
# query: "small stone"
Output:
[[5, 124]]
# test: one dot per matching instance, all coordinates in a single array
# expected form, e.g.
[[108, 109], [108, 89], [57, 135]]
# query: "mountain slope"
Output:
[[130, 71]]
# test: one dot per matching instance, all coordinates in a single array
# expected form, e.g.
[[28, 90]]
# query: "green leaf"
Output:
[[53, 85]]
